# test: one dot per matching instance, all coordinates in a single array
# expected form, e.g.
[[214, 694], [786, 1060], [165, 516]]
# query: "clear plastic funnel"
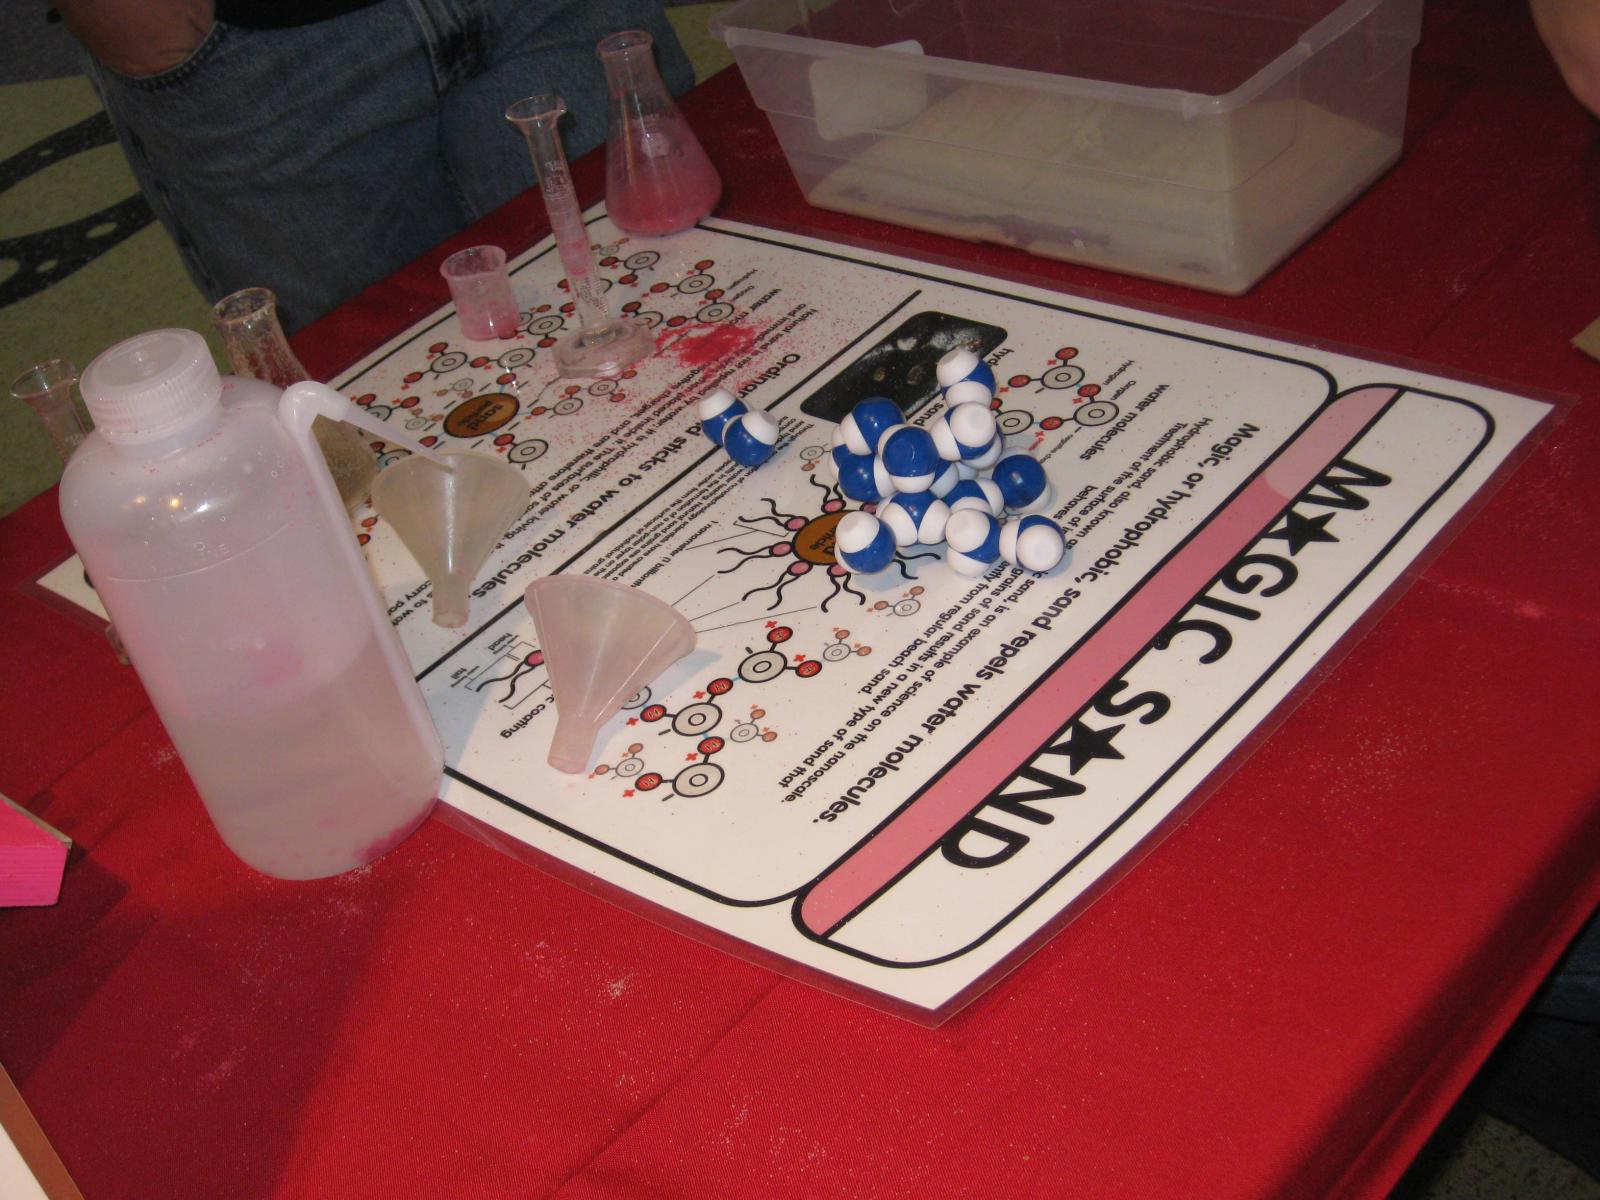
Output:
[[450, 517], [602, 642]]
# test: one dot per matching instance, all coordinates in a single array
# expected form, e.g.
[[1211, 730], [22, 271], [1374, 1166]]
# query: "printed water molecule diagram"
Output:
[[467, 394], [1060, 374], [564, 397], [542, 324], [698, 722], [609, 257], [908, 605], [699, 286], [696, 738], [806, 549], [469, 416], [842, 647]]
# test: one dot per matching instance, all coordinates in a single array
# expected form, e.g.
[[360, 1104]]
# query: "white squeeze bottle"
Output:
[[217, 541]]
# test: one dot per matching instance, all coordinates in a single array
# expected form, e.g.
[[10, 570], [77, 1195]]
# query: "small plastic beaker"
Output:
[[481, 289]]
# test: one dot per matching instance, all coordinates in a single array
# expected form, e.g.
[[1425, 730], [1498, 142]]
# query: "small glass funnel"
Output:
[[47, 389], [602, 346], [258, 349], [658, 178]]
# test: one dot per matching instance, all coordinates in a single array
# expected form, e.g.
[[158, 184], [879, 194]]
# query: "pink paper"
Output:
[[32, 858]]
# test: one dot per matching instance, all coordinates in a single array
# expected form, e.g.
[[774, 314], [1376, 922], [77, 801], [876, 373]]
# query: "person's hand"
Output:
[[1571, 32], [139, 37]]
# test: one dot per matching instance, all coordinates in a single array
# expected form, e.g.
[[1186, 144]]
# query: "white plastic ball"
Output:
[[1033, 543], [867, 422], [972, 541]]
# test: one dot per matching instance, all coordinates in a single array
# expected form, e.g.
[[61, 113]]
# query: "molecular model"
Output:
[[952, 483], [748, 437]]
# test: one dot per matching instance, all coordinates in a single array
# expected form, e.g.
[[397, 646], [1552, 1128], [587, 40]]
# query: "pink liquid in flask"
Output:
[[658, 178]]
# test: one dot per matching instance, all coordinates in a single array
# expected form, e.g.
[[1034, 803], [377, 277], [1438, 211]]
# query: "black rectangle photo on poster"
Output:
[[901, 366]]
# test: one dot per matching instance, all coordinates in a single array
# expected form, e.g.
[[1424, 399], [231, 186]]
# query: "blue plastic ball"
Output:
[[914, 517], [909, 457], [866, 422], [862, 543], [981, 494], [1022, 482], [859, 476], [716, 409], [749, 439]]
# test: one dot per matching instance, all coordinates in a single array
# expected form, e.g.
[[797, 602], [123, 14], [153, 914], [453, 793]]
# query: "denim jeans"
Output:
[[317, 160]]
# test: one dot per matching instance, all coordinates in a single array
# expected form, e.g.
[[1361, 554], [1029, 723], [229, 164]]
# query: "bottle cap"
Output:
[[151, 386]]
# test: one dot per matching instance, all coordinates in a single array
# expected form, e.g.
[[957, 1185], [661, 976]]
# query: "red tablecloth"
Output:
[[1281, 1000]]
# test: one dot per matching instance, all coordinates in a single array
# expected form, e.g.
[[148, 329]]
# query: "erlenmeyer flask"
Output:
[[658, 178], [258, 349]]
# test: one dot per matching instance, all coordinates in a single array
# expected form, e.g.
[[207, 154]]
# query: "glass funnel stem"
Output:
[[47, 389]]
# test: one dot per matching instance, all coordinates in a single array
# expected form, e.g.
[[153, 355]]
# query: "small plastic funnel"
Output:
[[602, 642], [450, 517]]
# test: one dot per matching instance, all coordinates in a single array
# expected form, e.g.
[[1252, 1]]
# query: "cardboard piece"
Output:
[[1589, 339], [30, 1169]]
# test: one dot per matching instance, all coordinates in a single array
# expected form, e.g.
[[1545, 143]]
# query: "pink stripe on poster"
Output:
[[1071, 686]]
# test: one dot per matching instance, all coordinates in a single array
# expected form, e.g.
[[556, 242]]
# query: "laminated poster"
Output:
[[895, 784]]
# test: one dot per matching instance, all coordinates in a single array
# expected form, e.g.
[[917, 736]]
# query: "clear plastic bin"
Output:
[[1197, 144]]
